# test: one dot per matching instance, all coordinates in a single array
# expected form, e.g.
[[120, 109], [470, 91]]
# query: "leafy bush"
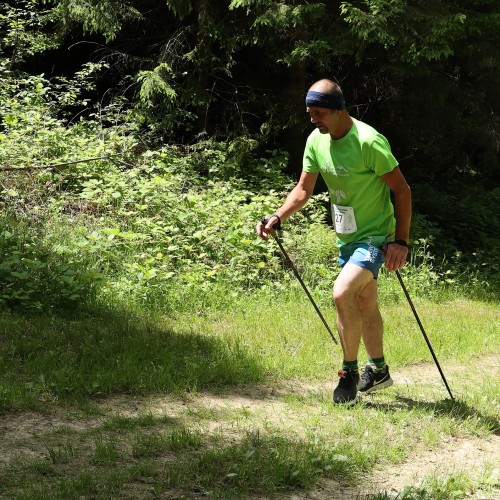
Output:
[[39, 270], [162, 228]]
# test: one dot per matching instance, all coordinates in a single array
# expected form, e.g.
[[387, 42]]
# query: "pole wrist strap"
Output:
[[276, 226]]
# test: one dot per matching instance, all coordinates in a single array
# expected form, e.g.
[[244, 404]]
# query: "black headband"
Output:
[[322, 100]]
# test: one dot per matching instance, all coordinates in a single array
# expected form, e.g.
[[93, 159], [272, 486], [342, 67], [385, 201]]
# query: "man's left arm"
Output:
[[395, 256]]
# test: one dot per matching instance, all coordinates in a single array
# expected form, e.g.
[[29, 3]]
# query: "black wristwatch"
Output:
[[403, 243]]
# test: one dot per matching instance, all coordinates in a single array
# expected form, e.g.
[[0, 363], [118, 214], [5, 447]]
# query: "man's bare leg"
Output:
[[372, 332], [353, 288], [352, 281], [377, 376]]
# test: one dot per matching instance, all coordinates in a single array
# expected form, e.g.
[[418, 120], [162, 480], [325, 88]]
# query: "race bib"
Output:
[[344, 220]]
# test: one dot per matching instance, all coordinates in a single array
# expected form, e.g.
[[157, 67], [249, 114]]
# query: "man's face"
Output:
[[323, 118]]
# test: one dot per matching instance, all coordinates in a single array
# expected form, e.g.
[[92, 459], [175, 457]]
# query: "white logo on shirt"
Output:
[[339, 194], [338, 170], [342, 171], [327, 167]]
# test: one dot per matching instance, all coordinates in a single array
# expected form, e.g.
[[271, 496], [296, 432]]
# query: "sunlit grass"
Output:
[[49, 359], [292, 341]]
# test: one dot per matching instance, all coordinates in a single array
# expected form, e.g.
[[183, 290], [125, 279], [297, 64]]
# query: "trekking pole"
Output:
[[297, 275], [423, 332]]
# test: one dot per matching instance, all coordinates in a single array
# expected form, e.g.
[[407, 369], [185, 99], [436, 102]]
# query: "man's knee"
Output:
[[350, 284], [343, 295]]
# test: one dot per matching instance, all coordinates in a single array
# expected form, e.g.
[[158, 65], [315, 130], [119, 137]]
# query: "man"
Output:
[[360, 171]]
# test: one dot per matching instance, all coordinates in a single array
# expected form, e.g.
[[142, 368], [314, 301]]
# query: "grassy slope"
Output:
[[59, 367]]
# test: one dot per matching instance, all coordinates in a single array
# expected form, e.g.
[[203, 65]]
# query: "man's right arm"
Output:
[[295, 200]]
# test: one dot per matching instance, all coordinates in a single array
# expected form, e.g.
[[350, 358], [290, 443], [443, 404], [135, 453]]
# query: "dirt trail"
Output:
[[21, 433]]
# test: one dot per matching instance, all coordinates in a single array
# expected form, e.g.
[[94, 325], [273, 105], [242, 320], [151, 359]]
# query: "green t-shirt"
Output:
[[351, 167]]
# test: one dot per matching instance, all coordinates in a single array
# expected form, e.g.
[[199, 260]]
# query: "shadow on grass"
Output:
[[258, 463], [54, 357], [455, 408]]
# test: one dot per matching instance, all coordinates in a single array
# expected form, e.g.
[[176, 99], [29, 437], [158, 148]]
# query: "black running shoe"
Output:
[[374, 381], [347, 389]]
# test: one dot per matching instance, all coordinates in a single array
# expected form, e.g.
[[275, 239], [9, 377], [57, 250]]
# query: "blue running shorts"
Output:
[[366, 254]]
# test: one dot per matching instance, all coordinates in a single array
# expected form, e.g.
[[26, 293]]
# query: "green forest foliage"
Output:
[[207, 100]]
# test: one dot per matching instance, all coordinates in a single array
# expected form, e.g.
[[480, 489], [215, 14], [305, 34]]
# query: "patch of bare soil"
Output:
[[22, 433]]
